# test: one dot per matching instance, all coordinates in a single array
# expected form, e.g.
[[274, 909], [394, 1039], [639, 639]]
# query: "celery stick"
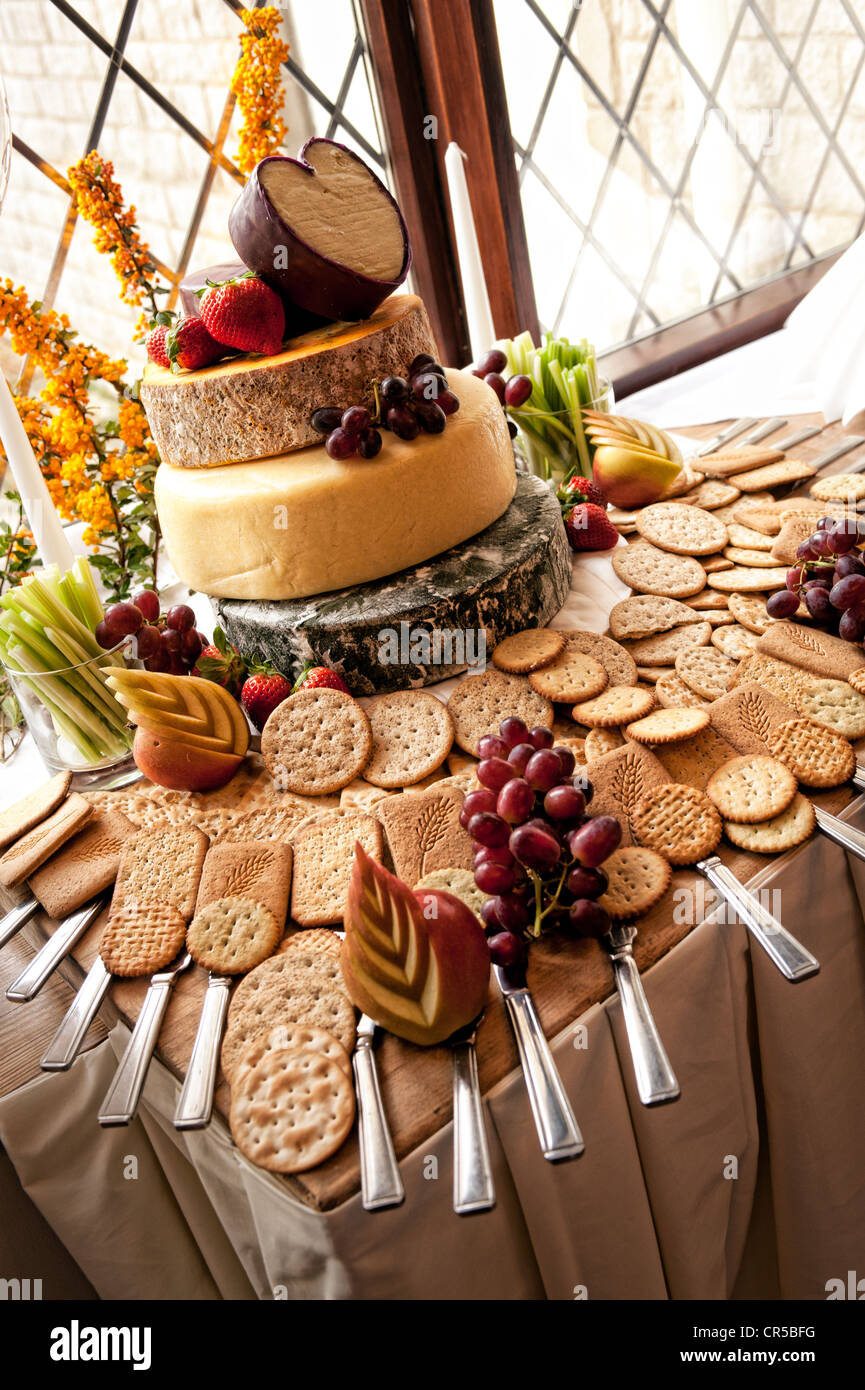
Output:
[[60, 693], [67, 727], [88, 597], [38, 599], [72, 653]]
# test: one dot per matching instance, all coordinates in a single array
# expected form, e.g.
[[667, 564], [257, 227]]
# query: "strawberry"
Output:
[[155, 344], [190, 346], [577, 489], [263, 689], [318, 678], [589, 528], [222, 663], [245, 314]]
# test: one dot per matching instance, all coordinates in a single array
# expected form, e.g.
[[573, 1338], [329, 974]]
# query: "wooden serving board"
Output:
[[566, 977]]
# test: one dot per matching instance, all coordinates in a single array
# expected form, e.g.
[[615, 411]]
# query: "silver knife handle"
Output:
[[473, 1176], [738, 427], [196, 1099], [858, 778], [15, 918], [64, 1046], [557, 1128], [122, 1096], [380, 1181], [788, 954], [656, 1080], [768, 427], [847, 836], [33, 977]]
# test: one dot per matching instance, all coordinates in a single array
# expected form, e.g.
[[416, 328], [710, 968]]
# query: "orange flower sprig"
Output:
[[98, 199], [97, 470], [257, 85]]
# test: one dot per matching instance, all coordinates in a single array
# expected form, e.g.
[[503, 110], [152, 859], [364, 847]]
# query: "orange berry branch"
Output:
[[257, 85]]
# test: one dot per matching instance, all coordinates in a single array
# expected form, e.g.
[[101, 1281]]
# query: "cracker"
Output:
[[648, 570], [481, 702], [678, 822], [164, 866], [705, 670], [772, 475], [649, 675], [662, 648], [713, 493], [624, 522], [361, 795], [696, 759], [141, 936], [670, 725], [622, 778], [291, 1037], [742, 460], [296, 986], [819, 652], [721, 617], [293, 1110], [637, 879], [786, 681], [618, 664], [412, 734], [323, 860], [29, 852], [424, 833], [742, 579], [857, 680], [459, 882], [672, 693], [641, 615], [275, 824], [572, 676], [843, 487], [232, 935], [747, 537], [751, 788], [750, 611], [86, 865], [734, 641], [751, 559], [312, 939], [600, 741], [256, 869], [794, 531], [681, 529], [715, 563], [615, 706], [528, 651], [835, 705], [792, 827], [816, 756], [316, 741], [36, 806], [747, 715]]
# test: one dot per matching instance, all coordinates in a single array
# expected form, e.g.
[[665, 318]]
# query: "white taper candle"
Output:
[[479, 316], [51, 544]]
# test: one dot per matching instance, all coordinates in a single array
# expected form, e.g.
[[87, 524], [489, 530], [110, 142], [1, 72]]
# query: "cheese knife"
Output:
[[731, 432], [71, 929], [195, 1104], [473, 1175], [15, 919], [122, 1097], [794, 960], [655, 1078], [557, 1129], [777, 422], [380, 1181], [66, 1043]]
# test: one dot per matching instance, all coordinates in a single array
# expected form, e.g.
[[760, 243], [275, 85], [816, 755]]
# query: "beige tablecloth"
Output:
[[751, 1185]]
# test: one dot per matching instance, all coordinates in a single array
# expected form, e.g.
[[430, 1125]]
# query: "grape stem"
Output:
[[542, 912]]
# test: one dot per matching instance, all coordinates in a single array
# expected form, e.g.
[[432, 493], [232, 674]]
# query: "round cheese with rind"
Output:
[[255, 407], [304, 523]]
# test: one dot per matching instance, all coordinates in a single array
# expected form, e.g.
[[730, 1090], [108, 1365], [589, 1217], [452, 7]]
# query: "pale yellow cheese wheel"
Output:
[[304, 523]]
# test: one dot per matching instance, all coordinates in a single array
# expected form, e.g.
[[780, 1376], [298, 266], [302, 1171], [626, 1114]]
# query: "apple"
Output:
[[632, 476], [418, 964], [171, 763]]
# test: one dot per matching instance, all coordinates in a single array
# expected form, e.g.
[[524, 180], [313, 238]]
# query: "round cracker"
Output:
[[815, 755], [528, 650], [312, 939], [619, 665], [672, 693], [572, 676], [751, 788], [140, 937], [678, 822], [642, 615], [841, 487], [714, 493], [637, 879], [734, 641], [792, 827], [671, 725], [740, 579], [316, 741], [481, 702], [412, 734], [298, 986], [291, 1037], [750, 611], [600, 741], [232, 935], [648, 570], [857, 680], [706, 671], [294, 1110], [613, 707], [682, 529]]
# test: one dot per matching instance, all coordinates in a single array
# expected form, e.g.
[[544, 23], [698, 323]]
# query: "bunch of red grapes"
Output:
[[828, 578], [406, 406], [514, 392], [168, 643], [536, 850]]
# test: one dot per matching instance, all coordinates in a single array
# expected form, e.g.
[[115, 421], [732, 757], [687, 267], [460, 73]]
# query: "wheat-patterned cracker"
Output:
[[828, 657], [28, 853], [257, 869], [746, 716], [622, 778], [36, 806], [424, 833]]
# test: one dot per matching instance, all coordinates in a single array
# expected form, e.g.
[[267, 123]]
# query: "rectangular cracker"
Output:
[[773, 475], [825, 656], [86, 865], [162, 865], [746, 715], [620, 778], [32, 850], [323, 861], [27, 813], [779, 677], [424, 833], [731, 462], [256, 869]]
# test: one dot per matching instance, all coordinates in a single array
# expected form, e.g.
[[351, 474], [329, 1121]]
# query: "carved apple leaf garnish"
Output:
[[386, 937]]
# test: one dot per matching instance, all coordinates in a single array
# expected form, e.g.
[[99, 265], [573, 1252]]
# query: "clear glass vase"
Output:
[[552, 443], [77, 723]]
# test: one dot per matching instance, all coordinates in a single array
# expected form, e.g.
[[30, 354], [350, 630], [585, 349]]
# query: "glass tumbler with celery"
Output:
[[58, 672], [564, 382]]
